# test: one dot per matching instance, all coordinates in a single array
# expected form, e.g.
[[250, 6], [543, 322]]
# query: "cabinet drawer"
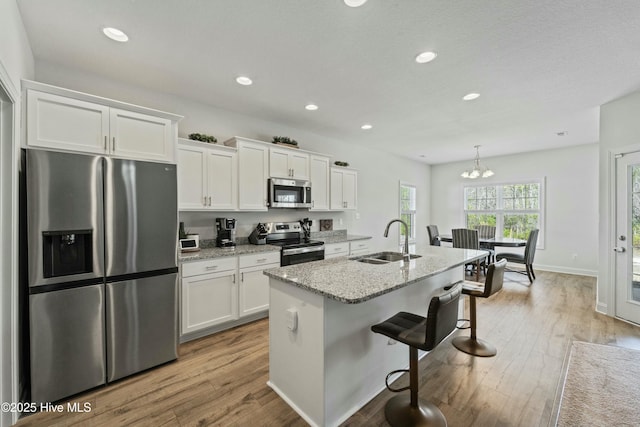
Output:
[[336, 248], [260, 259], [359, 246], [208, 266]]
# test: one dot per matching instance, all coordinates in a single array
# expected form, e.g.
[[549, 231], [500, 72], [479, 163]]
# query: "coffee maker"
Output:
[[226, 228]]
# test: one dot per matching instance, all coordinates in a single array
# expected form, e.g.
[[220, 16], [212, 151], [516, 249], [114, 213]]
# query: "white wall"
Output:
[[619, 133], [16, 62], [378, 173], [571, 201]]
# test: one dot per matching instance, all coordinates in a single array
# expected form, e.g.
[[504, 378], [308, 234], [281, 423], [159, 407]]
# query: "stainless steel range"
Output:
[[293, 238]]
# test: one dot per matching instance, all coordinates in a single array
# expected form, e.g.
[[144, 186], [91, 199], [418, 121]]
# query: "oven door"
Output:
[[300, 255], [289, 193]]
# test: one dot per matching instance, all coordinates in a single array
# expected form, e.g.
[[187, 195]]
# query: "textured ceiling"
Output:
[[541, 66]]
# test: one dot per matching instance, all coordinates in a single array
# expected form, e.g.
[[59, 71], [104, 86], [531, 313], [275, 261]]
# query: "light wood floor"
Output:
[[221, 379]]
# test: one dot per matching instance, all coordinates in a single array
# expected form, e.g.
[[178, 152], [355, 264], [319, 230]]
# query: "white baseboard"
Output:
[[566, 270]]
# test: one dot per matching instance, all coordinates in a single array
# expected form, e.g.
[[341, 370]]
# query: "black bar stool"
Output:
[[422, 333], [493, 283]]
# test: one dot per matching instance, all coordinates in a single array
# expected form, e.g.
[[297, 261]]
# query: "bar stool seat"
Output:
[[423, 333], [493, 283]]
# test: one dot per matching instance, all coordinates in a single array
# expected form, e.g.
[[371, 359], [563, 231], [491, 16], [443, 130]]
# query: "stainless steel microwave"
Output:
[[289, 193]]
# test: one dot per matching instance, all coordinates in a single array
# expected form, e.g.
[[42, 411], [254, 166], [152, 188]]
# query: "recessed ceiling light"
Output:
[[115, 34], [470, 96], [244, 81], [311, 107], [354, 3], [366, 126], [425, 57]]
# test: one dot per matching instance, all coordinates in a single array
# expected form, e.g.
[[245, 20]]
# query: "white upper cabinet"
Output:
[[61, 119], [344, 189], [288, 163], [253, 167], [319, 177], [141, 136], [68, 124], [207, 177]]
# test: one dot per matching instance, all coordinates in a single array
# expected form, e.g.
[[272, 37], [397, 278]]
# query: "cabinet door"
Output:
[[279, 163], [319, 175], [359, 248], [350, 190], [252, 177], [67, 124], [254, 290], [299, 164], [222, 181], [191, 178], [140, 136], [337, 200], [208, 300]]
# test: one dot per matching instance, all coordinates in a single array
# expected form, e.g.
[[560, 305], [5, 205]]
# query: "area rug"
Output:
[[601, 387]]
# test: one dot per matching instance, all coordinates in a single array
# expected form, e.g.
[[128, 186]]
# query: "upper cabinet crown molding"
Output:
[[107, 102], [61, 119]]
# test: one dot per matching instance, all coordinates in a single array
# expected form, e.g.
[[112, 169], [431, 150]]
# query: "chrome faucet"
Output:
[[405, 250]]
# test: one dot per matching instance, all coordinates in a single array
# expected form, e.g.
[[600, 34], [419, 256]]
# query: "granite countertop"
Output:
[[352, 282], [341, 238], [208, 253]]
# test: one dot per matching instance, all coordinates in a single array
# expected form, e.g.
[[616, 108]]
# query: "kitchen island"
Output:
[[324, 361]]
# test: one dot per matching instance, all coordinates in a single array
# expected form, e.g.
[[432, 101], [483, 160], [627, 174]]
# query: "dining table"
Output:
[[489, 243]]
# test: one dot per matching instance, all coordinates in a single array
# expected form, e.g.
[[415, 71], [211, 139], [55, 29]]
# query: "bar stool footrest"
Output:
[[395, 390]]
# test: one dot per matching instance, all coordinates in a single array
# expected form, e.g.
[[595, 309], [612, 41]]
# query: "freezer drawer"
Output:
[[67, 342], [142, 324]]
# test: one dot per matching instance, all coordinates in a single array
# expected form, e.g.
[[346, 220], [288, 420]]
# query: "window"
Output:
[[408, 210], [514, 208]]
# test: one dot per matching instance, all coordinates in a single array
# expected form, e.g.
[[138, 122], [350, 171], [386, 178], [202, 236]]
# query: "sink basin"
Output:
[[384, 257], [392, 256], [372, 261]]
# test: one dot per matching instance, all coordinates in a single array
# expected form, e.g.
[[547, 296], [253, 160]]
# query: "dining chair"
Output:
[[526, 258], [434, 236], [467, 238], [487, 232]]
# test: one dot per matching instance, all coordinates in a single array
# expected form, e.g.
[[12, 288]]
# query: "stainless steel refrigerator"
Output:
[[101, 269]]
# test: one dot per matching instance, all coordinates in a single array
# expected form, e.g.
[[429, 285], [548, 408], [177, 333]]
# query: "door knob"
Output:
[[619, 249]]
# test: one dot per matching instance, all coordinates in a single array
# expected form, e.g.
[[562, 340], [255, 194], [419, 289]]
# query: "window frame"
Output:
[[500, 212], [413, 213]]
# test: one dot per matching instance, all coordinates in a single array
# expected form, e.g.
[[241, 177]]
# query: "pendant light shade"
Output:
[[477, 171]]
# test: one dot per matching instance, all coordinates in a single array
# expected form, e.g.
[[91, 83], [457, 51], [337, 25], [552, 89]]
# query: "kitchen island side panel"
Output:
[[296, 358], [356, 359]]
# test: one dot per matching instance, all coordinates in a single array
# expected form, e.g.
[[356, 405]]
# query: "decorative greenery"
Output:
[[339, 163], [284, 140], [203, 137]]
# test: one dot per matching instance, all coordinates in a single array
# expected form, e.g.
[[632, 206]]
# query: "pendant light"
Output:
[[477, 171]]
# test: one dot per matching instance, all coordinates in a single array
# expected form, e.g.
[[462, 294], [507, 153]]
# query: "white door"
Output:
[[222, 182], [337, 199], [141, 136], [192, 185], [350, 190], [299, 164], [208, 300], [628, 237], [319, 173], [252, 177]]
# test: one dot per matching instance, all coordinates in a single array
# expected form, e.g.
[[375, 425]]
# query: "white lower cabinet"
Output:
[[209, 293], [254, 285], [224, 290], [359, 247], [334, 250]]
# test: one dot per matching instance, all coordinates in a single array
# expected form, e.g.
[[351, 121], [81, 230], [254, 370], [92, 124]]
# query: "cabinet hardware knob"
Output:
[[211, 267], [261, 260], [113, 147], [105, 143], [234, 277], [204, 201], [209, 200], [242, 277]]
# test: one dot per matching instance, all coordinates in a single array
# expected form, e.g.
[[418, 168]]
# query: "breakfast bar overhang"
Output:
[[324, 361]]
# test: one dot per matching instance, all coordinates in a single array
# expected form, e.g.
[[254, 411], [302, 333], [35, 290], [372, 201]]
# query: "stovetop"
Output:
[[293, 244]]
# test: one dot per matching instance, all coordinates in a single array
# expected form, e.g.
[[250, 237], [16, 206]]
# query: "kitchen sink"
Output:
[[384, 257]]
